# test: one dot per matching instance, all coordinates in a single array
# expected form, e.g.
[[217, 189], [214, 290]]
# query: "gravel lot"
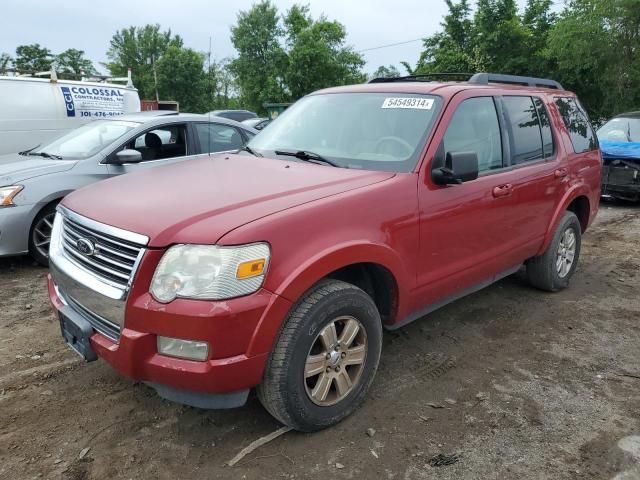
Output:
[[507, 383]]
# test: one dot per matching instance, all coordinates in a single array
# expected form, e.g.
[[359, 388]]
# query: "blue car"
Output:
[[620, 144]]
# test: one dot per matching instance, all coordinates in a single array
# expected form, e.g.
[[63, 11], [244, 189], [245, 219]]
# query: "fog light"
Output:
[[188, 349]]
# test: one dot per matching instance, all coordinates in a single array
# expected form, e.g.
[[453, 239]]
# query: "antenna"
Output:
[[211, 102]]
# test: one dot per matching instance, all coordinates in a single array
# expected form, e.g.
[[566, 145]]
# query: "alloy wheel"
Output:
[[335, 361], [566, 253], [41, 235]]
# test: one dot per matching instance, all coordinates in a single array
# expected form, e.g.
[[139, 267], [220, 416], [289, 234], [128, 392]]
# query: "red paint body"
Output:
[[436, 241]]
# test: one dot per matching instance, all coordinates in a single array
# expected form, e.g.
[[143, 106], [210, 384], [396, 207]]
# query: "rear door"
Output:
[[217, 137], [538, 173]]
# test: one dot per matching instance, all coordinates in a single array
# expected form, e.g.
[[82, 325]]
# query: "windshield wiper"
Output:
[[308, 156], [247, 148], [45, 155]]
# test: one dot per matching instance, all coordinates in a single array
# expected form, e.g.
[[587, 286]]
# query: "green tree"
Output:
[[140, 48], [595, 45], [72, 64], [6, 63], [33, 58], [261, 62], [451, 49], [181, 77], [285, 57], [500, 38], [386, 72], [318, 57]]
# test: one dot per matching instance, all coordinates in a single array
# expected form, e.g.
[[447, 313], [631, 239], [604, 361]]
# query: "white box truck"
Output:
[[36, 110]]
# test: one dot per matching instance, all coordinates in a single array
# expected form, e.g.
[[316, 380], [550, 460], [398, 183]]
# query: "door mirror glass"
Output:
[[127, 156], [459, 167]]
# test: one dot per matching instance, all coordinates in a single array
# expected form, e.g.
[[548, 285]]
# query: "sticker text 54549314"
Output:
[[408, 102]]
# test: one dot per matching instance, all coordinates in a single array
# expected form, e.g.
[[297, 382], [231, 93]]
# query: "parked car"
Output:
[[37, 110], [620, 145], [258, 123], [362, 207], [33, 182], [237, 115]]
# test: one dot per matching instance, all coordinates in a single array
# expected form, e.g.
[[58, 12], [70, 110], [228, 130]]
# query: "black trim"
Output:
[[201, 399], [456, 296]]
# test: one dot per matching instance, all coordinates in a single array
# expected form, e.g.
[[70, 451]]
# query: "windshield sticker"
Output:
[[408, 102]]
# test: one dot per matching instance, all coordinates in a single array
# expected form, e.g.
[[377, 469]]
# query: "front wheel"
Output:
[[553, 270], [40, 235], [324, 359]]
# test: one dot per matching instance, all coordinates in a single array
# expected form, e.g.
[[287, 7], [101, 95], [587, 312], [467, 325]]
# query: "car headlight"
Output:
[[210, 272], [7, 194]]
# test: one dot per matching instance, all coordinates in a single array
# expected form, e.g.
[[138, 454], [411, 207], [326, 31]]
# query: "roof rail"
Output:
[[422, 77], [486, 78]]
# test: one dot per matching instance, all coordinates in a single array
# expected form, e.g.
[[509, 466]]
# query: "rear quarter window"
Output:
[[577, 122]]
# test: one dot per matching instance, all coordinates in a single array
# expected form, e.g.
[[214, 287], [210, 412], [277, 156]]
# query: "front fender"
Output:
[[300, 279]]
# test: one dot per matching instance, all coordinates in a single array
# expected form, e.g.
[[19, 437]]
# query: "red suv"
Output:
[[361, 207]]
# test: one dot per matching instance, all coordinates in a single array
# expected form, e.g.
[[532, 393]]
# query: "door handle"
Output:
[[502, 190], [561, 172]]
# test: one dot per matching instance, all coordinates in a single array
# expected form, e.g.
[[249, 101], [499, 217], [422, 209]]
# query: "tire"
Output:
[[40, 235], [286, 393], [544, 272]]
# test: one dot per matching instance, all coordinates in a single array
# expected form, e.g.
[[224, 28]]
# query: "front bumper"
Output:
[[15, 223], [233, 328], [621, 178]]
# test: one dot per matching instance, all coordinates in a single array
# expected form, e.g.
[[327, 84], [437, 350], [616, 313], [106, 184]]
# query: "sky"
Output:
[[89, 25]]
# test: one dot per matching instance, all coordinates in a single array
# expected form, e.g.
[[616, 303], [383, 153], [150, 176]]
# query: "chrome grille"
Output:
[[99, 324], [114, 260]]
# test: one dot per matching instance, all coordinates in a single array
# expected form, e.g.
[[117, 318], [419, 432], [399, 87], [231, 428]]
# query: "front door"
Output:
[[461, 226]]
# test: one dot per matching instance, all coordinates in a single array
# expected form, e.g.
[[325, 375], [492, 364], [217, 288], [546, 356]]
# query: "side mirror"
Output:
[[459, 167], [127, 156]]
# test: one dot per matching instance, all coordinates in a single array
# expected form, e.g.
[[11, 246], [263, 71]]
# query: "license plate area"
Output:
[[77, 331]]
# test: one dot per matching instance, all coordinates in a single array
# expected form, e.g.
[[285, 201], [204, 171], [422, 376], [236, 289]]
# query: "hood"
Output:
[[200, 200], [623, 150], [15, 168]]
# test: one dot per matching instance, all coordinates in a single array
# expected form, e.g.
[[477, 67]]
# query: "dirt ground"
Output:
[[526, 384]]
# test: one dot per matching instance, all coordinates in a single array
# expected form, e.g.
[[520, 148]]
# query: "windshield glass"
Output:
[[373, 131], [86, 140], [621, 129]]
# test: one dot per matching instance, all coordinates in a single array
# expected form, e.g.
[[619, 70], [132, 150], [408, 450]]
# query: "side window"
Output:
[[213, 137], [575, 119], [545, 128], [163, 142], [526, 137], [475, 128]]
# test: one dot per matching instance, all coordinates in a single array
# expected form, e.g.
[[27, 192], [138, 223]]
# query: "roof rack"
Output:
[[486, 78], [422, 77], [478, 79]]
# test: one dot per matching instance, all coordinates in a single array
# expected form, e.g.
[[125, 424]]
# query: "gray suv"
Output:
[[33, 182]]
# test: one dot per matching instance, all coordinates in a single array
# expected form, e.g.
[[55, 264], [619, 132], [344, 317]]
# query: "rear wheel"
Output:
[[553, 270], [40, 235], [324, 359]]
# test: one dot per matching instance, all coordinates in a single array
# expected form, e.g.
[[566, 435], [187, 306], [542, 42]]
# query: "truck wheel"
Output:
[[553, 270], [325, 357], [40, 235]]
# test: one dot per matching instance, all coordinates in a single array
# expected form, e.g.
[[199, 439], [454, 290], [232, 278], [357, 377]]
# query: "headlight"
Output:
[[7, 194], [210, 272]]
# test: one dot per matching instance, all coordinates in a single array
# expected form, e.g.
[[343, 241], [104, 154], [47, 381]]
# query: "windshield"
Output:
[[87, 140], [620, 129], [373, 131]]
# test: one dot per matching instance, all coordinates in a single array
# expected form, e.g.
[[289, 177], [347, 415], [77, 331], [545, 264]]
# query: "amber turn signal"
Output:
[[250, 269]]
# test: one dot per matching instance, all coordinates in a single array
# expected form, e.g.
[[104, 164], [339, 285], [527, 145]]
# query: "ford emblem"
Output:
[[86, 246]]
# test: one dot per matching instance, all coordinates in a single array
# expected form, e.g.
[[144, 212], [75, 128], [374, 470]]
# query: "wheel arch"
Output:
[[575, 200]]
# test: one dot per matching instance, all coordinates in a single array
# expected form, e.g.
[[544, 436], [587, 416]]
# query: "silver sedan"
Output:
[[33, 182]]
